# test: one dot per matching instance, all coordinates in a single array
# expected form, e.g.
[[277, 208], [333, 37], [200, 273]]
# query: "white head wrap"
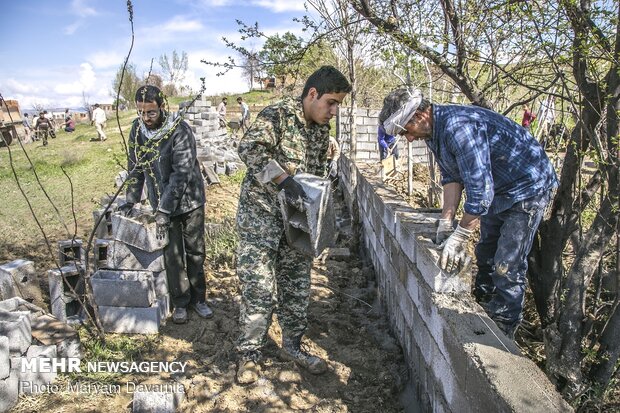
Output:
[[396, 123]]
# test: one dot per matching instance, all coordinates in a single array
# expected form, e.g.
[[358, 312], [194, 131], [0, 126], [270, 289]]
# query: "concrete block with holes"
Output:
[[70, 250]]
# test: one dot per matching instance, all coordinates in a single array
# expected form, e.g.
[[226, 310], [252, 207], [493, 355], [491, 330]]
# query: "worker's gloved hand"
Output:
[[294, 193], [455, 257], [163, 224], [125, 209], [445, 228]]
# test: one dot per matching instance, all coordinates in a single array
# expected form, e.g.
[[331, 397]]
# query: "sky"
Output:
[[54, 51]]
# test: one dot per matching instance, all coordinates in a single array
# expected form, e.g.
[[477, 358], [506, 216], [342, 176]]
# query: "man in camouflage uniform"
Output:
[[289, 137]]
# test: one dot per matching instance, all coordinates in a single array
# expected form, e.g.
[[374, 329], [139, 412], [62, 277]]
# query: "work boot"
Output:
[[179, 315], [292, 351], [248, 367], [202, 309]]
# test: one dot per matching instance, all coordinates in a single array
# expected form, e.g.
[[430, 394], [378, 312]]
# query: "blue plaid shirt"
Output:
[[497, 161]]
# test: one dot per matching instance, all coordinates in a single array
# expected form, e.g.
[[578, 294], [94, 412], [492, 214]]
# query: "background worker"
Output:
[[99, 119], [508, 180], [286, 138], [244, 120]]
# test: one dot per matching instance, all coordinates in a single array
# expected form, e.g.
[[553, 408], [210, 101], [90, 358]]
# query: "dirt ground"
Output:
[[347, 327]]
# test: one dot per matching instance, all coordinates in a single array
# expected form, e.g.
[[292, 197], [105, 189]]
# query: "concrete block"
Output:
[[63, 302], [9, 391], [121, 256], [139, 232], [209, 173], [123, 288], [16, 326], [5, 366], [132, 320], [25, 280], [427, 257], [220, 168], [164, 307], [160, 279], [66, 307], [7, 286], [166, 401], [31, 381], [104, 229], [100, 253], [313, 230], [71, 250]]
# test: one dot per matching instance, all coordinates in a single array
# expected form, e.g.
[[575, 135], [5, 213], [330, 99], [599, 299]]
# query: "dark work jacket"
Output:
[[169, 166]]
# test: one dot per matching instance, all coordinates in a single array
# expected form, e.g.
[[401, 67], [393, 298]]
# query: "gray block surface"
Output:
[[133, 320], [5, 366], [34, 381], [157, 401], [139, 232], [16, 326], [121, 256], [25, 280], [119, 288]]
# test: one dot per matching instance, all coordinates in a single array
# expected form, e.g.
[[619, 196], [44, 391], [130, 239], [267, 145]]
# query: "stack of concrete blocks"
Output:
[[135, 263], [314, 229], [66, 286], [127, 301], [366, 128], [216, 150], [27, 333], [18, 278], [459, 360]]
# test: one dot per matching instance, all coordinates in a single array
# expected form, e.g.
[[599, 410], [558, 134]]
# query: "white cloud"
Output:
[[106, 59], [178, 24], [70, 29], [80, 8], [279, 6], [11, 85], [86, 82]]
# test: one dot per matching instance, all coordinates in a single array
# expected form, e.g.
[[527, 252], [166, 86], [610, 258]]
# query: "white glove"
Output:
[[445, 227], [455, 257]]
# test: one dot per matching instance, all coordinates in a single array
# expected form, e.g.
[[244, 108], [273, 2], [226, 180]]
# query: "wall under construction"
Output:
[[459, 361]]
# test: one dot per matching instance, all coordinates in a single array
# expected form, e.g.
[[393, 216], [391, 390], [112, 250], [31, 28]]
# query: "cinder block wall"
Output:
[[366, 127], [458, 359]]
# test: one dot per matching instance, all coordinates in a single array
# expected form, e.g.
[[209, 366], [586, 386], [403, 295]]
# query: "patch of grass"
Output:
[[235, 178], [221, 244], [116, 348]]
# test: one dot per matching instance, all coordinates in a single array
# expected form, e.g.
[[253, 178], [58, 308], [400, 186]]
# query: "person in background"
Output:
[[508, 181], [162, 155], [387, 144], [52, 129], [42, 128], [69, 123], [27, 128], [528, 117], [221, 111], [244, 120], [99, 119], [288, 137]]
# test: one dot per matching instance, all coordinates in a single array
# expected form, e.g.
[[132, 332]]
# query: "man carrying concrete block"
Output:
[[162, 153], [288, 137]]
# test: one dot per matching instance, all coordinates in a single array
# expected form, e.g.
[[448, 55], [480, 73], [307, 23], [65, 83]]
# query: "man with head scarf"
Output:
[[508, 182], [162, 155]]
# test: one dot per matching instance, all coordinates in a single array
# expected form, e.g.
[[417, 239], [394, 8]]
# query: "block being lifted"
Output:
[[314, 229], [139, 232]]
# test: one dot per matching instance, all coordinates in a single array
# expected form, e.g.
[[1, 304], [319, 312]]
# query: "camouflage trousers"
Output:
[[271, 280]]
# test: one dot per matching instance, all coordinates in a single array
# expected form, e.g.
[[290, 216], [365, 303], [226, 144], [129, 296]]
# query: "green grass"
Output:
[[91, 167]]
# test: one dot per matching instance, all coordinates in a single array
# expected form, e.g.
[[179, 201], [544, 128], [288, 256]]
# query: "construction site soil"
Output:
[[347, 327]]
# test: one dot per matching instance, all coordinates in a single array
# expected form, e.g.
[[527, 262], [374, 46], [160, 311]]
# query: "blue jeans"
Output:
[[505, 241]]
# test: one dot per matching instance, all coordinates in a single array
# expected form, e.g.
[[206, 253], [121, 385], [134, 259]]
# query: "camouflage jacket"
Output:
[[278, 134]]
